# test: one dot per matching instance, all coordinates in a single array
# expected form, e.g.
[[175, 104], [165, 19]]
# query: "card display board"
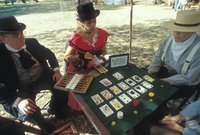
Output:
[[75, 82], [118, 60], [113, 93]]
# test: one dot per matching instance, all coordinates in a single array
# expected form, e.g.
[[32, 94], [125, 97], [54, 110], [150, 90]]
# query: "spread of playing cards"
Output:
[[122, 97], [121, 93]]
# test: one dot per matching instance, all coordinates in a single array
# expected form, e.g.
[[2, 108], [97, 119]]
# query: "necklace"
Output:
[[88, 32]]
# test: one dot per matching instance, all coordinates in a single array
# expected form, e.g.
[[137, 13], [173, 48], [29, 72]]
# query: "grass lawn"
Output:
[[53, 21]]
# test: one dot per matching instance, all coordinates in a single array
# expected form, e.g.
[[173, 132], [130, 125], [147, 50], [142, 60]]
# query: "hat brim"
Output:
[[96, 13], [171, 26], [20, 28]]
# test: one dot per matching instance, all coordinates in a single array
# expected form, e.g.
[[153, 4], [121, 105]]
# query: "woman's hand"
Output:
[[88, 56], [27, 106], [101, 57]]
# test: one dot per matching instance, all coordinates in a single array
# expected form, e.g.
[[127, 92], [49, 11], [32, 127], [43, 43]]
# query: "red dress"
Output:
[[83, 46]]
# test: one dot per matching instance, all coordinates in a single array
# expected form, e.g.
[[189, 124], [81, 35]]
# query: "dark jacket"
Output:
[[9, 82]]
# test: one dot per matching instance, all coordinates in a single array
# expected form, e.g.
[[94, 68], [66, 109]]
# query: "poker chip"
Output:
[[150, 100], [120, 115], [113, 123], [151, 94], [136, 102], [135, 112]]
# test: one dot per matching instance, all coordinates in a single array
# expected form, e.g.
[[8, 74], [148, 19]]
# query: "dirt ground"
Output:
[[53, 21]]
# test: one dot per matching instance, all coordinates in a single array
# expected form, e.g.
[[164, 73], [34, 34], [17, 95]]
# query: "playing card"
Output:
[[130, 82], [107, 111], [147, 85], [140, 89], [97, 99], [148, 78], [133, 94], [96, 61], [106, 82], [137, 78], [116, 104], [118, 76], [106, 94], [123, 85], [115, 90], [123, 97]]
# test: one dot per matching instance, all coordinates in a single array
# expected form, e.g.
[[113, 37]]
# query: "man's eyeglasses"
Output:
[[14, 35]]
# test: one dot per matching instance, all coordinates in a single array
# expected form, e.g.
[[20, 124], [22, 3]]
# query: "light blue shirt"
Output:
[[191, 77], [191, 112]]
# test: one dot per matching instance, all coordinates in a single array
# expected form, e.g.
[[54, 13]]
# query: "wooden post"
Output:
[[131, 22]]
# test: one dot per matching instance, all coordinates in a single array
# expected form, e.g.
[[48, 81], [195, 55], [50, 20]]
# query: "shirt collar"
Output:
[[13, 49]]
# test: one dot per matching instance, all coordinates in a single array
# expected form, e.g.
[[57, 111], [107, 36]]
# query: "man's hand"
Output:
[[173, 122], [177, 118], [57, 75], [27, 106], [172, 125]]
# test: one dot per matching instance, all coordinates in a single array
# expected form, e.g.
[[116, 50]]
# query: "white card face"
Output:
[[106, 94], [147, 85], [130, 82], [123, 85], [96, 61], [140, 89], [116, 104], [118, 76], [148, 78], [115, 90], [133, 94], [97, 99], [107, 111], [123, 97], [106, 82], [136, 78]]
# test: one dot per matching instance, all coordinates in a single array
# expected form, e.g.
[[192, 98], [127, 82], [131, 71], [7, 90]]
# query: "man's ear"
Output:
[[1, 38]]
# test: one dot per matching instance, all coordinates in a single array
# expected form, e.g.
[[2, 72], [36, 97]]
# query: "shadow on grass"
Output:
[[141, 32], [145, 41]]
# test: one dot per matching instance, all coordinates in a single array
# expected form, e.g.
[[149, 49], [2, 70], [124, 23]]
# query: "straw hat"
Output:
[[186, 21], [9, 25]]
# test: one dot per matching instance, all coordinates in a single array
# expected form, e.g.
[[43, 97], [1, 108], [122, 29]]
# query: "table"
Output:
[[101, 123]]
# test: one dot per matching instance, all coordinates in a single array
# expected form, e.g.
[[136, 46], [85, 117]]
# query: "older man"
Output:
[[24, 71], [177, 59], [177, 62]]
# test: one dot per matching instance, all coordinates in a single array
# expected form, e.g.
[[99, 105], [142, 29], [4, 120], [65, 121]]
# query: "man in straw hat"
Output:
[[179, 46], [177, 58], [176, 62], [24, 71]]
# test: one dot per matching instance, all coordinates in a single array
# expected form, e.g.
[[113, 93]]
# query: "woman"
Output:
[[85, 43]]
